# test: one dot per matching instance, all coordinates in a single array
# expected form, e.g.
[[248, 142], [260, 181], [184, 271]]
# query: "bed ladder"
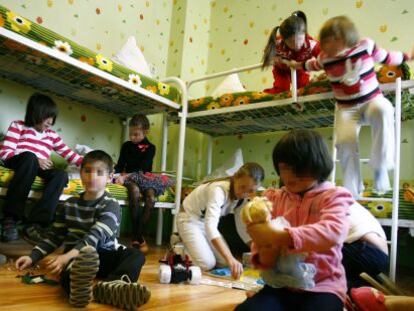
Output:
[[396, 179]]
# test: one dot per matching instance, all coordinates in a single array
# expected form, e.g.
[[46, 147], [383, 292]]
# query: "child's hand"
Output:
[[120, 180], [268, 255], [293, 64], [55, 266], [23, 262], [45, 164], [351, 75], [236, 268], [261, 233]]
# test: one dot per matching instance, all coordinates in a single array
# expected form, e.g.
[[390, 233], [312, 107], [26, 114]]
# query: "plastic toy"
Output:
[[177, 267]]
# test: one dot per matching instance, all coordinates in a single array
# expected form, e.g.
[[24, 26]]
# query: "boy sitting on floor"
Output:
[[88, 226]]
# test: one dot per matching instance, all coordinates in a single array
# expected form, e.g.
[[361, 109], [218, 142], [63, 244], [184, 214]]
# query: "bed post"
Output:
[[334, 152], [294, 85], [158, 239], [209, 154], [181, 145], [396, 181]]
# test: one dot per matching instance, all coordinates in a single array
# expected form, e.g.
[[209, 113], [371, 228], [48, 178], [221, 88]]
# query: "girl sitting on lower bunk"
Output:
[[198, 220], [349, 65], [135, 165], [26, 149], [317, 212], [293, 44]]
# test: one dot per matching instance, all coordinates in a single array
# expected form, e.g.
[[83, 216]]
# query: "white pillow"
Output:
[[131, 57], [228, 168], [231, 84]]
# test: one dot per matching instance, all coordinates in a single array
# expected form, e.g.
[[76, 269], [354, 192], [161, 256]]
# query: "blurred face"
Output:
[[332, 46], [294, 182], [296, 41], [244, 187], [43, 126], [95, 176], [137, 134]]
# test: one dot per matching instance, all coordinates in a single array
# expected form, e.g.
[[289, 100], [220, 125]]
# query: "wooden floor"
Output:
[[14, 295]]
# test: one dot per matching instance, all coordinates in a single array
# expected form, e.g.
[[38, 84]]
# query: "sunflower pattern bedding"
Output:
[[385, 74], [74, 187], [44, 66], [383, 209]]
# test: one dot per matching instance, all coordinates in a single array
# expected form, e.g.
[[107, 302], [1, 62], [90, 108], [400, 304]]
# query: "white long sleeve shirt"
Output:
[[208, 202], [361, 223]]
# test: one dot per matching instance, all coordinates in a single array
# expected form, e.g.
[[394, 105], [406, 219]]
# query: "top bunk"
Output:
[[310, 107], [36, 56]]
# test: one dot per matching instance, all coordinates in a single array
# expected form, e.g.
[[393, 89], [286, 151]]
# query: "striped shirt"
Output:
[[78, 223], [21, 138], [367, 86]]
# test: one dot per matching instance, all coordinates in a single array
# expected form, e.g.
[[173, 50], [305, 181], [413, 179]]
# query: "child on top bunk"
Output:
[[26, 149], [135, 165], [198, 220], [349, 64], [87, 226], [317, 212], [293, 44]]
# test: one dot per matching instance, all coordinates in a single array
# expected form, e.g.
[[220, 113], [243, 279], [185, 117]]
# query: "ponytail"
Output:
[[269, 52]]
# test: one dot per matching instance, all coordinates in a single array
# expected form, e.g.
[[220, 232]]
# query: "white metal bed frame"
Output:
[[142, 94], [394, 223]]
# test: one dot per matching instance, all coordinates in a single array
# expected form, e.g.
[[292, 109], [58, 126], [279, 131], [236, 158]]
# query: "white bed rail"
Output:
[[181, 142], [242, 69]]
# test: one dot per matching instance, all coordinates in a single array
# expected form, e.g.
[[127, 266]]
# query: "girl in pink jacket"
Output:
[[317, 212]]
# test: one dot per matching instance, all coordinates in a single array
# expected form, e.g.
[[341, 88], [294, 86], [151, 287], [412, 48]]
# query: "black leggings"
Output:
[[112, 266], [26, 168], [282, 299], [139, 215]]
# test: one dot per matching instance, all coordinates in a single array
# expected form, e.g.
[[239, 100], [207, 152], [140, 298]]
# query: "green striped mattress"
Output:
[[74, 187]]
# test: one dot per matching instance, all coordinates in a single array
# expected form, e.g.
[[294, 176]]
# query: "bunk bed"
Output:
[[310, 107], [33, 55]]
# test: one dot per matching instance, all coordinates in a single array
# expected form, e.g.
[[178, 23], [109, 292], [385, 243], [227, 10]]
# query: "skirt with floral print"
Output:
[[144, 181]]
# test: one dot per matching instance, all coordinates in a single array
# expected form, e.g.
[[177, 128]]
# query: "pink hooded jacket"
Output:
[[319, 225]]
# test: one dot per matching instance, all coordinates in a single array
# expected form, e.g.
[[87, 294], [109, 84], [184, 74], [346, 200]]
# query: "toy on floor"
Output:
[[290, 270], [176, 268]]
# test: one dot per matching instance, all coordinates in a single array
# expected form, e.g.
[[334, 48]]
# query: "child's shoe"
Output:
[[122, 293], [82, 273], [367, 299], [143, 246], [9, 231]]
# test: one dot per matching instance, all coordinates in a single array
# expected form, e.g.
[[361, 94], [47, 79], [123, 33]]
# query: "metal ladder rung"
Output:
[[374, 199], [360, 160]]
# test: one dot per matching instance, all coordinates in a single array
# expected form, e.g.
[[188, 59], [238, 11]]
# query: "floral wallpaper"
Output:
[[189, 39]]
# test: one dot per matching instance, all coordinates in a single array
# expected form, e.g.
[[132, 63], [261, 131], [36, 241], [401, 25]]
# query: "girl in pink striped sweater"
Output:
[[317, 212], [349, 65], [26, 149]]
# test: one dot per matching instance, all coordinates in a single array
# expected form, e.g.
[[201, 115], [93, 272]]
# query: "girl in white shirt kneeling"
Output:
[[198, 220]]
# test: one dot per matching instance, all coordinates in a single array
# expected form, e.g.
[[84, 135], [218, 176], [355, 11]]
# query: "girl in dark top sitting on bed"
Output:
[[135, 166]]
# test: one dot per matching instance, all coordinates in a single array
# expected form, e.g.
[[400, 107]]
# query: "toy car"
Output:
[[177, 268]]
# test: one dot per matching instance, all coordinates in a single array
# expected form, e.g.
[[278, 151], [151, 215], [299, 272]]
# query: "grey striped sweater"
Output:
[[79, 223]]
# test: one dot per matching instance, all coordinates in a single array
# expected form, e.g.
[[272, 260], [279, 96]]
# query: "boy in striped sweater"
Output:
[[349, 65], [26, 149], [87, 227]]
